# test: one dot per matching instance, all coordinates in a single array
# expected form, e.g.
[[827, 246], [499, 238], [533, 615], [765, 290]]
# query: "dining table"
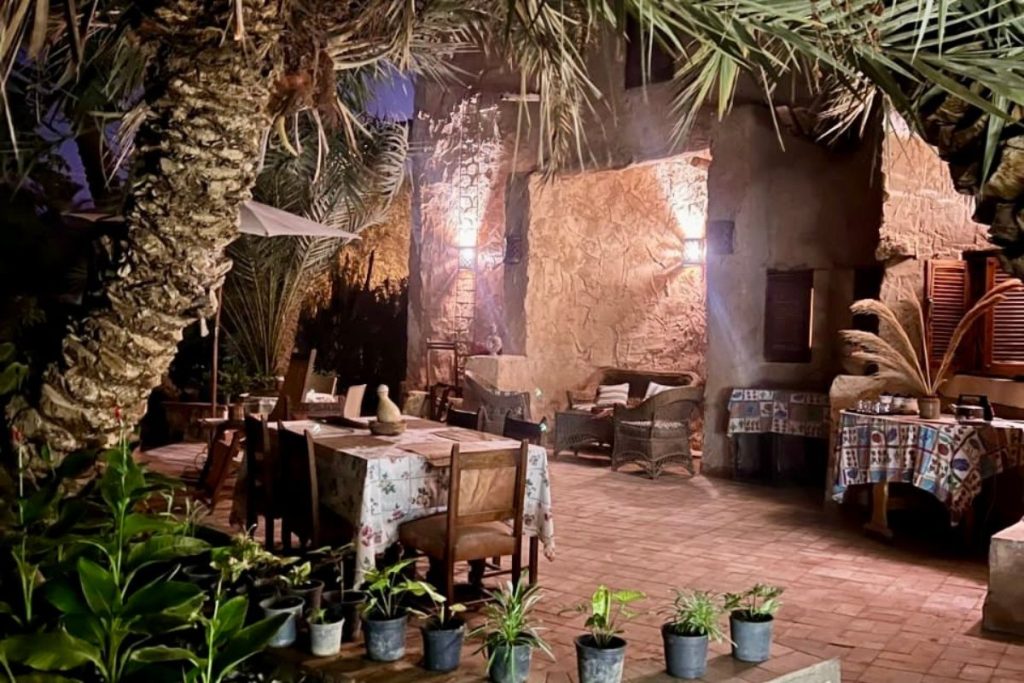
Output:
[[377, 483]]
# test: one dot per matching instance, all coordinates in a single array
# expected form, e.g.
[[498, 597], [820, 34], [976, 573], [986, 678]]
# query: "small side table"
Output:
[[577, 428]]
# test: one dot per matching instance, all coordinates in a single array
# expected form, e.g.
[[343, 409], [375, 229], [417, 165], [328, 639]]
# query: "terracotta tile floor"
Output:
[[890, 614]]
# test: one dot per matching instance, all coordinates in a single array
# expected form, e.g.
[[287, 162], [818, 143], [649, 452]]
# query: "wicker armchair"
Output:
[[493, 404], [657, 431]]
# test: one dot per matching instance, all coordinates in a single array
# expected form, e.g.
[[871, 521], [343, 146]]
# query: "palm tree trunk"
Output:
[[196, 162]]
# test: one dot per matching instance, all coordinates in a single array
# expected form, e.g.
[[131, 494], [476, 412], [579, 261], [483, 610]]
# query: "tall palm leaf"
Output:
[[271, 276]]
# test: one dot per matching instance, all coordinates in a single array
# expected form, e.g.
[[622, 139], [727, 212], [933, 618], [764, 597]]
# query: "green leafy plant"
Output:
[[508, 621], [443, 616], [697, 613], [760, 603], [324, 616], [386, 588], [299, 574], [606, 609]]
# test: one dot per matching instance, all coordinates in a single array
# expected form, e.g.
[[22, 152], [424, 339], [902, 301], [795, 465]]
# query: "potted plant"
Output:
[[299, 583], [601, 653], [694, 620], [384, 615], [289, 605], [331, 567], [443, 633], [751, 617], [325, 628], [508, 633], [902, 366]]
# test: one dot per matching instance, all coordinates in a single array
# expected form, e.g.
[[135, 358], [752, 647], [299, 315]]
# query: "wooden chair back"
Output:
[[222, 453], [524, 429], [439, 397], [354, 401], [321, 384], [296, 377], [469, 419], [301, 515], [487, 486]]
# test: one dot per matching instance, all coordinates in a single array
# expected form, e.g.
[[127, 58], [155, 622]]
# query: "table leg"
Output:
[[879, 523]]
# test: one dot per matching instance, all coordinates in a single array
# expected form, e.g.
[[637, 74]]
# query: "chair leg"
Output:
[[534, 559], [449, 582], [517, 565], [268, 530]]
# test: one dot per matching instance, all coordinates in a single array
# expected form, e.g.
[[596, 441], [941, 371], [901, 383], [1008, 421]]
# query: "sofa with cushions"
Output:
[[594, 406]]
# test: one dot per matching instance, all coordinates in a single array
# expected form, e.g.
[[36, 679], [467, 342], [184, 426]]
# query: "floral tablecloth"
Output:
[[377, 488], [778, 411], [943, 457]]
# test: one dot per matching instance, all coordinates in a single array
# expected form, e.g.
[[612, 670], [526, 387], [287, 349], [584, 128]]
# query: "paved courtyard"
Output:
[[891, 614]]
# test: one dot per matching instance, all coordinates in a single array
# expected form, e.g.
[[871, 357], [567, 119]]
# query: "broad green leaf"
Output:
[[601, 602], [11, 378], [64, 596], [55, 651], [98, 587], [230, 617], [162, 653], [138, 523], [6, 352], [74, 464], [86, 626], [163, 596], [245, 644], [162, 548], [38, 677]]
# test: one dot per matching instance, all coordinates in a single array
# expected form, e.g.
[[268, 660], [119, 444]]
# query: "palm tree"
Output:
[[221, 74]]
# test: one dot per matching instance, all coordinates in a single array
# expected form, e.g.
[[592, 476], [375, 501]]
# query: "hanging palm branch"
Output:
[[271, 276], [901, 366]]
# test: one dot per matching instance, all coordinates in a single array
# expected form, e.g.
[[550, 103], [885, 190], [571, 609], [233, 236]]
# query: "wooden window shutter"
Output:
[[945, 298], [1003, 350], [789, 296]]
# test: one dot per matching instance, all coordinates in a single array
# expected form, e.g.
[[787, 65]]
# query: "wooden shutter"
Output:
[[789, 297], [1003, 348], [945, 298]]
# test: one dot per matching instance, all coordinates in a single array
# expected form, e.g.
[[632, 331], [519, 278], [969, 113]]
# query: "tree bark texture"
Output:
[[196, 160]]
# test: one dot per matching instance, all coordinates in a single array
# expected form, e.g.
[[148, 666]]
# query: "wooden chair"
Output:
[[208, 489], [354, 402], [524, 429], [315, 525], [439, 397], [294, 387], [487, 489], [468, 419], [321, 383], [262, 466]]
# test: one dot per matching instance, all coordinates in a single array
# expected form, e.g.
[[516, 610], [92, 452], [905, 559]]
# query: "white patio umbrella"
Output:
[[255, 219]]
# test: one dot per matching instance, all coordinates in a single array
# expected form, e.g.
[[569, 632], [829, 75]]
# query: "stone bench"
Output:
[[1004, 604]]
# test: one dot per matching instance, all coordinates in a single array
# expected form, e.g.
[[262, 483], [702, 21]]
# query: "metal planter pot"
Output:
[[385, 638], [442, 648], [292, 606], [600, 664], [751, 640], [685, 656], [509, 667]]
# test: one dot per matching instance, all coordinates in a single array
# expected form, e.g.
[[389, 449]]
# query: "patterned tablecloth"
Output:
[[377, 488], [778, 411], [943, 457]]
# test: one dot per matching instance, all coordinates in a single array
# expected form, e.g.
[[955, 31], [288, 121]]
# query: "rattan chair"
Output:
[[657, 431]]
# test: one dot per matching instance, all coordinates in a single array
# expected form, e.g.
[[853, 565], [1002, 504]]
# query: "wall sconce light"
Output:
[[693, 251], [467, 258]]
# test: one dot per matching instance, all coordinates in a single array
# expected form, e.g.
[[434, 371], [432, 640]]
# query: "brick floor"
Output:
[[889, 613]]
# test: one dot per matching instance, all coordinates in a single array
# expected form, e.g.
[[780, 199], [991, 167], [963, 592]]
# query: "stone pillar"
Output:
[[1004, 604]]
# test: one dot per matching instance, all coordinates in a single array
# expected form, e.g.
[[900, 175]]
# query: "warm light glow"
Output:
[[692, 225], [467, 258], [693, 251]]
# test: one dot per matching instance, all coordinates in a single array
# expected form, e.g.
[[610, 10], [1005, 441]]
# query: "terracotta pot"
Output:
[[929, 407]]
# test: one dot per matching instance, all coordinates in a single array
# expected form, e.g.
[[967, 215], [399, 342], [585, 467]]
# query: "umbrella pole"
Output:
[[216, 353]]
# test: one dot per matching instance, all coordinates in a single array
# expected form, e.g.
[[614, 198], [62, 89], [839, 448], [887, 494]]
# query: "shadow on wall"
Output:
[[360, 333]]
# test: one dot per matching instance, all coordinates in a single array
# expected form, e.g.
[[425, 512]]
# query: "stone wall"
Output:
[[800, 206], [605, 283], [922, 216]]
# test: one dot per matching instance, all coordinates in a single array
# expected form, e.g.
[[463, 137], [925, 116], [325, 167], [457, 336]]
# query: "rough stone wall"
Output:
[[388, 241], [606, 285], [922, 215], [797, 207], [458, 201]]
